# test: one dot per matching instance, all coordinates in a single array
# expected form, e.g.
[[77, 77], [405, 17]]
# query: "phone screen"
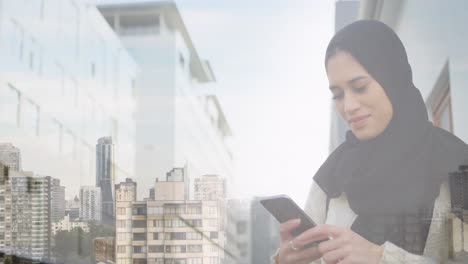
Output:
[[284, 209]]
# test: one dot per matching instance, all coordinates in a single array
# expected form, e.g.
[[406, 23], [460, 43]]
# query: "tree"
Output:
[[75, 244]]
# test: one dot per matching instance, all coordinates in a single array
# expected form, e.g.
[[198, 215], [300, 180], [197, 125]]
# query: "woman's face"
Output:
[[359, 98]]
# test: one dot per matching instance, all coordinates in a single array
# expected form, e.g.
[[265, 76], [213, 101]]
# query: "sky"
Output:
[[267, 56]]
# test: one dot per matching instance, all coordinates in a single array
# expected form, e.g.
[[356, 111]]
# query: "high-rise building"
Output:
[[90, 203], [176, 124], [5, 201], [30, 215], [105, 177], [73, 208], [57, 200], [125, 196], [10, 156], [168, 229]]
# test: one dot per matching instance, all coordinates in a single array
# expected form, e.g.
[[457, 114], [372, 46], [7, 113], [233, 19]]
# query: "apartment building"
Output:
[[90, 203], [171, 230]]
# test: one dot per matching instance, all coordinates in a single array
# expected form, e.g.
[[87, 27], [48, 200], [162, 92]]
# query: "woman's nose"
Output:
[[351, 103]]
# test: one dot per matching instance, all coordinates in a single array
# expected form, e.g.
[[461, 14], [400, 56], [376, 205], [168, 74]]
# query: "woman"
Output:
[[383, 194]]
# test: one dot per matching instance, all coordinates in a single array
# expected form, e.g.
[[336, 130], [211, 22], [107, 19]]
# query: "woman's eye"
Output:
[[362, 89], [337, 96]]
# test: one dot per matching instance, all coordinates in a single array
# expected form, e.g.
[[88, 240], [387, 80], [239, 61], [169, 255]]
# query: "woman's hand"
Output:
[[289, 251], [345, 247]]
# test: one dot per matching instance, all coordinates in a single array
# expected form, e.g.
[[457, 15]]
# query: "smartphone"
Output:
[[284, 209]]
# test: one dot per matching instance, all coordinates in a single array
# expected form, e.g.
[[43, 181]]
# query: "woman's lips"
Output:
[[359, 122]]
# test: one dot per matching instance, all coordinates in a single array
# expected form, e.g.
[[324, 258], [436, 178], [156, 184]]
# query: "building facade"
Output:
[[10, 156], [210, 188], [72, 208], [90, 203], [65, 81], [168, 229], [177, 125], [57, 200], [68, 224], [104, 249], [29, 215], [105, 177]]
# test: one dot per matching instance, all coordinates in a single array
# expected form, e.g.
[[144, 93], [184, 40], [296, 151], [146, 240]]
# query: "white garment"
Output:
[[340, 214]]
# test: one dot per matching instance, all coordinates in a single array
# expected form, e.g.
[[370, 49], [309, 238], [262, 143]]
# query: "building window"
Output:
[[139, 261], [155, 210], [121, 236], [120, 249], [213, 260], [121, 224], [139, 210], [157, 223], [195, 261], [156, 249], [176, 249], [213, 248], [175, 236], [194, 210], [139, 224], [194, 248], [139, 236], [174, 210], [194, 236], [175, 261], [194, 222], [139, 249], [212, 222], [121, 211]]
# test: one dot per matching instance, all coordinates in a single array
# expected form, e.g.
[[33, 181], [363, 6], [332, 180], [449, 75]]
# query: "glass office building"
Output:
[[65, 81]]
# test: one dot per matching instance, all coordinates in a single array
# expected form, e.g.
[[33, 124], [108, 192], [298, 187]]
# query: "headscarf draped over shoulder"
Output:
[[392, 180]]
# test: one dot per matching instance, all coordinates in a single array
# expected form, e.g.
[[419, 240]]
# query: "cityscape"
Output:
[[114, 148]]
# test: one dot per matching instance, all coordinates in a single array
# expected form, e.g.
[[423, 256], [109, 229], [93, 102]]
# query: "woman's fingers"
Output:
[[335, 256], [286, 228], [303, 256], [333, 244], [318, 233]]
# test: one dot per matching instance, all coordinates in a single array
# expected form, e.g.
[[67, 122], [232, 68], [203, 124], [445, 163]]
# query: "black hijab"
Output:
[[392, 180]]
